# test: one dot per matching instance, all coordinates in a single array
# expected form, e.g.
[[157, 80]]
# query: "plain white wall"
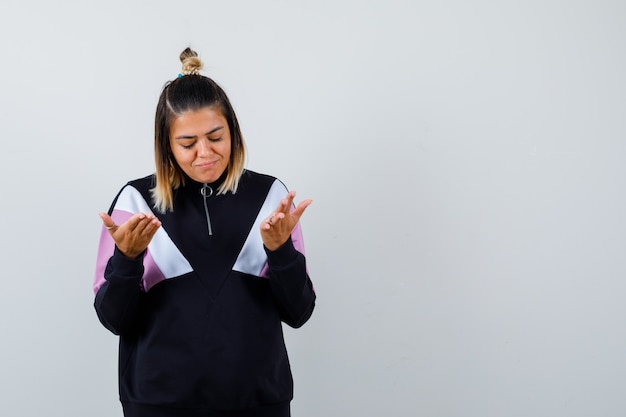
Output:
[[466, 161]]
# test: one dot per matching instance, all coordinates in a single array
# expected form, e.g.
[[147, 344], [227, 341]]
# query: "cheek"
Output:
[[180, 157], [227, 149]]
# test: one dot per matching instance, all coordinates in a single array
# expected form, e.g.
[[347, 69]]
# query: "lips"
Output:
[[207, 164]]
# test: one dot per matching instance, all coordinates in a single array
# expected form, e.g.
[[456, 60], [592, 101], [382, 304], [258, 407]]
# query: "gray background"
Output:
[[466, 161]]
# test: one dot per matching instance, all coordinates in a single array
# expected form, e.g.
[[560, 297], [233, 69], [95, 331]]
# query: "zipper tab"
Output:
[[207, 192]]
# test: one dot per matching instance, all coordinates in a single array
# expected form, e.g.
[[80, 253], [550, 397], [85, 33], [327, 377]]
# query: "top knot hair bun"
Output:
[[191, 63]]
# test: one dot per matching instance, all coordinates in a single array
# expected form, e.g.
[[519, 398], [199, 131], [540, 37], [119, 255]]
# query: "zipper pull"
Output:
[[207, 192]]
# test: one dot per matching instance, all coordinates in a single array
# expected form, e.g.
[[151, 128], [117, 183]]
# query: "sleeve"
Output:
[[119, 281], [118, 299], [290, 282], [285, 267]]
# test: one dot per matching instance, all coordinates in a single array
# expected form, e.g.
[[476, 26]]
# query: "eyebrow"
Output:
[[194, 136]]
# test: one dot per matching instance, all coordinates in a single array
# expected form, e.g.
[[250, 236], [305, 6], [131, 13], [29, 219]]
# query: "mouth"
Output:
[[206, 164]]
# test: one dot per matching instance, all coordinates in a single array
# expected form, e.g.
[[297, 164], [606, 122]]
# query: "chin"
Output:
[[207, 179]]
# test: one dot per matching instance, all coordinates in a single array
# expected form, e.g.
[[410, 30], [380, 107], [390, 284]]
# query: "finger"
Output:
[[286, 202], [272, 220], [147, 226], [298, 211], [152, 227], [134, 222], [107, 221], [269, 222]]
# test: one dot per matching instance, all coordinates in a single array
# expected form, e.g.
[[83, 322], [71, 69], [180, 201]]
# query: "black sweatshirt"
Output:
[[199, 314]]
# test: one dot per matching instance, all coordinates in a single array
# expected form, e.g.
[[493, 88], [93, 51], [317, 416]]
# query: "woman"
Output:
[[198, 266]]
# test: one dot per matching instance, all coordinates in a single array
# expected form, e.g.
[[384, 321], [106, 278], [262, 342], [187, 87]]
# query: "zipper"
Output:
[[207, 192]]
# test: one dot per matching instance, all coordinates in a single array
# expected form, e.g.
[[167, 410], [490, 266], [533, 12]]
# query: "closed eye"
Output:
[[186, 142]]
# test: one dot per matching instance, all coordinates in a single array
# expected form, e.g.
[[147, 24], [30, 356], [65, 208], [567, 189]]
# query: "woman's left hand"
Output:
[[277, 227]]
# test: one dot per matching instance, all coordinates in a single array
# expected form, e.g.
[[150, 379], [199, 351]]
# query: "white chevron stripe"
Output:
[[252, 257], [166, 255]]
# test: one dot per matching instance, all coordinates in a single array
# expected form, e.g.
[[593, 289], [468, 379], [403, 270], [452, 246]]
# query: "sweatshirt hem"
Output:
[[144, 410]]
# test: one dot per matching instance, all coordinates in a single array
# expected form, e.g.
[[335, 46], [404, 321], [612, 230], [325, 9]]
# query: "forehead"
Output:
[[202, 119]]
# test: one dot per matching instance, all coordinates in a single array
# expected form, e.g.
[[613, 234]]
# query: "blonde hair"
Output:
[[191, 63], [191, 92]]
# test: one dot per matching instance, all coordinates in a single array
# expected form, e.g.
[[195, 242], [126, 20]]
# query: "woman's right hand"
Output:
[[132, 237]]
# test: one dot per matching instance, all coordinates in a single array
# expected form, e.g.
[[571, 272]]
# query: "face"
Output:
[[200, 142]]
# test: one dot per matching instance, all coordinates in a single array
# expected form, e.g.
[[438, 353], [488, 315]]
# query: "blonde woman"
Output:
[[199, 264]]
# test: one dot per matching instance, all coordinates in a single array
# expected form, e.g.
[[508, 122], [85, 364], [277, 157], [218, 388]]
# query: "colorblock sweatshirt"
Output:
[[200, 313]]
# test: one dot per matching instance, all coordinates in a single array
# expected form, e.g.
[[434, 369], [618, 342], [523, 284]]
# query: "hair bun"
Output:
[[191, 63]]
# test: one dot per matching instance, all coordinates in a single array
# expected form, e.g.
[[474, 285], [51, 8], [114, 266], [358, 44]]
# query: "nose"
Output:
[[204, 147]]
